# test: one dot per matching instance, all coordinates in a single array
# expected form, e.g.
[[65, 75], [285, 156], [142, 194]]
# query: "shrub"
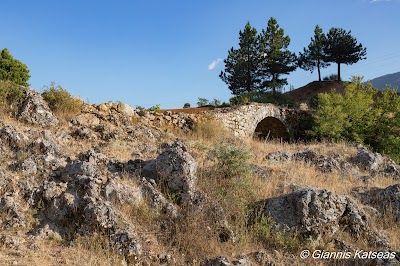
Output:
[[11, 96], [60, 101], [332, 77], [154, 108], [362, 114], [262, 97], [186, 105], [231, 161], [12, 69], [202, 102]]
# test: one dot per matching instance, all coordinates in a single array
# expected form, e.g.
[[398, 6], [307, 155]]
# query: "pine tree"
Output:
[[276, 59], [241, 65], [313, 56], [342, 48], [13, 70]]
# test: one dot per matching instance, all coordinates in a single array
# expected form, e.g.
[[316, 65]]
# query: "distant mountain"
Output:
[[392, 79]]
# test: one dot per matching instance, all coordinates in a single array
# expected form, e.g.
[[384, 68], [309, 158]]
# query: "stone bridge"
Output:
[[261, 120]]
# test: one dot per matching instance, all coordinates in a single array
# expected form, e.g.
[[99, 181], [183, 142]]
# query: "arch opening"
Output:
[[271, 128]]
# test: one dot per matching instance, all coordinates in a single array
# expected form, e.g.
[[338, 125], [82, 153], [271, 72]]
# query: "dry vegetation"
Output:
[[235, 192]]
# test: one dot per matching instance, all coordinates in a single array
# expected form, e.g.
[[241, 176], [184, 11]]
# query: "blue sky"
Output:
[[159, 52]]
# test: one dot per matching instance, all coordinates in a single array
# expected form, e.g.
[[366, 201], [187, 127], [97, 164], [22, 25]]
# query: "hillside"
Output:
[[308, 92], [116, 186], [390, 79]]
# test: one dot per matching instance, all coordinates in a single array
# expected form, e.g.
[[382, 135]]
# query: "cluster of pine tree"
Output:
[[262, 59]]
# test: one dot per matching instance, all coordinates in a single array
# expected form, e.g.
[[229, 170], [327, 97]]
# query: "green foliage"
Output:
[[216, 102], [186, 105], [202, 102], [12, 69], [154, 108], [61, 101], [276, 59], [260, 60], [331, 77], [261, 97], [241, 65], [140, 107], [313, 56], [231, 161], [342, 48], [11, 96], [361, 114]]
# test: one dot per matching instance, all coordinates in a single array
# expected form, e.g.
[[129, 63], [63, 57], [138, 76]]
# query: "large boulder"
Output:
[[311, 211], [383, 199], [174, 170], [371, 161], [34, 109]]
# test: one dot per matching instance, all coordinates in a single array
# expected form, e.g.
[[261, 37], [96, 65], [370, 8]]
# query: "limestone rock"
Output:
[[175, 169], [281, 156], [86, 120], [34, 109], [11, 137], [122, 193], [125, 109], [310, 210], [385, 200], [371, 161]]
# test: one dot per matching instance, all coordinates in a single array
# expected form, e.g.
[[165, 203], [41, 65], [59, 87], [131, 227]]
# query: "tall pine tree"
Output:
[[342, 48], [313, 56], [276, 59], [241, 65]]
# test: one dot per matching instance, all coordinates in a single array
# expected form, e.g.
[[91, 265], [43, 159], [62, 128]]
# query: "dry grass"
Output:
[[189, 234]]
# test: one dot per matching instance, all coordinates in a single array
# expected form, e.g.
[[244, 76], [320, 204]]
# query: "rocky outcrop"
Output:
[[34, 109], [315, 212], [386, 200], [174, 170], [325, 164], [371, 161]]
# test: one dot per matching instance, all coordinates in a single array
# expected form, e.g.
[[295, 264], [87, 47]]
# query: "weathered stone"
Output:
[[371, 161], [13, 138], [126, 242], [175, 169], [125, 109], [84, 133], [34, 109], [26, 167], [310, 210], [218, 261], [11, 212], [306, 156], [385, 200], [87, 120], [281, 156], [157, 200], [122, 193]]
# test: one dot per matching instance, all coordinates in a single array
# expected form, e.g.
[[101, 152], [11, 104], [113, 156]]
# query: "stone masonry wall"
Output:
[[243, 120]]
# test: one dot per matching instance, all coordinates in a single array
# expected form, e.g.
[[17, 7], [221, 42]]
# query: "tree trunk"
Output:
[[319, 70], [338, 72]]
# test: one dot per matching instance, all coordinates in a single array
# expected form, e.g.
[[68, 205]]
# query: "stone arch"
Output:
[[271, 128]]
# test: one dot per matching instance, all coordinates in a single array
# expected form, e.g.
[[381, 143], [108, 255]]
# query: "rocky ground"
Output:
[[117, 186]]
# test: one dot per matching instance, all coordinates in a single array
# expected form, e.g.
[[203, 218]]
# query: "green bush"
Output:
[[361, 114], [262, 97], [154, 108], [332, 77], [60, 100], [11, 96], [12, 69], [231, 161]]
